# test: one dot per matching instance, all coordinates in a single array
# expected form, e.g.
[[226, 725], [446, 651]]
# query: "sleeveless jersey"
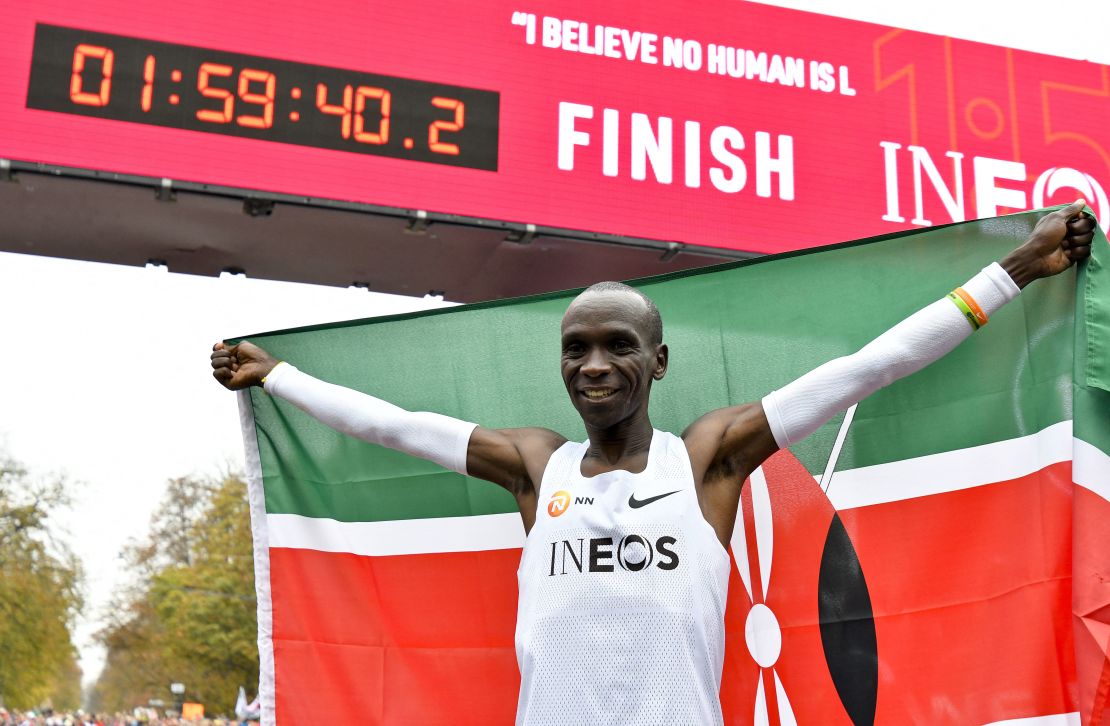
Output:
[[622, 597]]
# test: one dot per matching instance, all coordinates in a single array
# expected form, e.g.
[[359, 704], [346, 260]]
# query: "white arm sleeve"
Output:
[[799, 408], [431, 436]]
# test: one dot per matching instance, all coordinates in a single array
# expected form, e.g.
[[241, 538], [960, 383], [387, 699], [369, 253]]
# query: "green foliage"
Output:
[[190, 615], [40, 582]]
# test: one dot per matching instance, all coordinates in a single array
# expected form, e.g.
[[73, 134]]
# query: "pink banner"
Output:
[[726, 124]]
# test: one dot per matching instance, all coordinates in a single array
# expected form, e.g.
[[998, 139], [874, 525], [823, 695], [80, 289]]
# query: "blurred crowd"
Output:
[[79, 718]]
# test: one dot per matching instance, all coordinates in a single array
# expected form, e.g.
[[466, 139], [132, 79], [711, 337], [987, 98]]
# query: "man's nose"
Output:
[[596, 363]]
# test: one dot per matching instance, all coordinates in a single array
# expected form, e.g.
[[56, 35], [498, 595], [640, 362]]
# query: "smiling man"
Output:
[[623, 578]]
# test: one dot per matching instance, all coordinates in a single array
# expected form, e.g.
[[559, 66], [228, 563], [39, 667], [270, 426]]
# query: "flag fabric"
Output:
[[938, 555], [244, 710]]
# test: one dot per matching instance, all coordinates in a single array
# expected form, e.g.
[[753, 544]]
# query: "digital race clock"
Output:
[[164, 84]]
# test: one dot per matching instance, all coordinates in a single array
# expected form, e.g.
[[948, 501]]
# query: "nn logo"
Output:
[[560, 502], [632, 553]]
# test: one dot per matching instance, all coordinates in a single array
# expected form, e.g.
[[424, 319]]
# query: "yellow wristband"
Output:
[[271, 371], [969, 308]]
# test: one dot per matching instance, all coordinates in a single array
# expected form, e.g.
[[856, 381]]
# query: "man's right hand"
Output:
[[241, 366]]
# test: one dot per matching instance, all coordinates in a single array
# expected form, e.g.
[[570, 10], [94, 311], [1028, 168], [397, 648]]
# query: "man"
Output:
[[631, 630]]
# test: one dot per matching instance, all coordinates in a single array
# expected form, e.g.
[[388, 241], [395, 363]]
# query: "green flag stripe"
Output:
[[1092, 424], [440, 494], [445, 494], [735, 332], [1093, 307]]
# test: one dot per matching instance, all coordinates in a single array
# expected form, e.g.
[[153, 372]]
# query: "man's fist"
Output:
[[1059, 239], [240, 365]]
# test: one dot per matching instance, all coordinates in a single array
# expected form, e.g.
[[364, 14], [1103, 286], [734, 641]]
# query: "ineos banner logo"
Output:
[[996, 185]]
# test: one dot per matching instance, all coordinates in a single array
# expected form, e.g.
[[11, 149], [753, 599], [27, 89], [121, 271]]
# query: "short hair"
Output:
[[654, 319]]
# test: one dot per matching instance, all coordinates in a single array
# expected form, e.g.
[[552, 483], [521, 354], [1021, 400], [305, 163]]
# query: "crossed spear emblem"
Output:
[[753, 547]]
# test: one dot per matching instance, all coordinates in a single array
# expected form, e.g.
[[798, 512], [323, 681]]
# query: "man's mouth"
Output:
[[598, 394]]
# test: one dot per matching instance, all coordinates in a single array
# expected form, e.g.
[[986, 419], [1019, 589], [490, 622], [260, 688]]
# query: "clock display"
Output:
[[143, 81]]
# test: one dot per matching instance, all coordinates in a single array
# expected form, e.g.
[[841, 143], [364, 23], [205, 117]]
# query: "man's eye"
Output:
[[622, 345], [572, 349]]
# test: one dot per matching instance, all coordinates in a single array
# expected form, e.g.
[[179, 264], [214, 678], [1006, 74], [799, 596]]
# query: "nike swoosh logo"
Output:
[[637, 503]]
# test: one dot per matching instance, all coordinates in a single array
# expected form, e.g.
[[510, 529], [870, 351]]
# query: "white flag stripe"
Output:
[[1057, 719], [1091, 469], [879, 484], [952, 470], [260, 536], [397, 537]]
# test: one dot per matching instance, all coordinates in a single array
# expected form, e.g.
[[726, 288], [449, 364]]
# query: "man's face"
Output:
[[609, 359]]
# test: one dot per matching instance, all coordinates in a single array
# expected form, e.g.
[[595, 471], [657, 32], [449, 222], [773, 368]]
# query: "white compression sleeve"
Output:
[[431, 436], [799, 408]]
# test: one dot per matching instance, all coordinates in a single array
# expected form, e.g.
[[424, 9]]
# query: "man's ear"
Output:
[[662, 356]]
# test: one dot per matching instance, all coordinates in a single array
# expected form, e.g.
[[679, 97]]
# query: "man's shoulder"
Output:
[[536, 437]]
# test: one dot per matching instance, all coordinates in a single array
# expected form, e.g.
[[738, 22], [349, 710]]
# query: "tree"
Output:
[[40, 592], [191, 614], [174, 527], [208, 607], [135, 670]]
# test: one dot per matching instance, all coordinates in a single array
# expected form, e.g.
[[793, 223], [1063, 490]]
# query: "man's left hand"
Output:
[[1059, 239]]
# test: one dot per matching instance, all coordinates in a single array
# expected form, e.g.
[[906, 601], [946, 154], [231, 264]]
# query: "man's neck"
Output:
[[622, 446]]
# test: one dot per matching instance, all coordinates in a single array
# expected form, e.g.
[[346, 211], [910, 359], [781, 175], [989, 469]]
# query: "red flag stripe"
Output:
[[348, 629], [971, 592]]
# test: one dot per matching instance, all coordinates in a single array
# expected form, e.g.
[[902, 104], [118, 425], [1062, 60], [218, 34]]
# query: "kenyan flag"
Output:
[[940, 555]]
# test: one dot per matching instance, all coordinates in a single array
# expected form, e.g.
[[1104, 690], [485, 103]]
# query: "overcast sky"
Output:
[[105, 376]]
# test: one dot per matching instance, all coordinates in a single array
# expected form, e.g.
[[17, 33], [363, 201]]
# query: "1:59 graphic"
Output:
[[129, 79]]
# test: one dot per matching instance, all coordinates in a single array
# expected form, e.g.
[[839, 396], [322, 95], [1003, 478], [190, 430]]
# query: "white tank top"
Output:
[[622, 597]]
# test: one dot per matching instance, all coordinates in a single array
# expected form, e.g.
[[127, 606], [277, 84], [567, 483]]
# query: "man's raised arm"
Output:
[[494, 455], [733, 441]]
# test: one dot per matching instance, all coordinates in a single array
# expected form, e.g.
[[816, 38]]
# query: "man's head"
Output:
[[612, 342]]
